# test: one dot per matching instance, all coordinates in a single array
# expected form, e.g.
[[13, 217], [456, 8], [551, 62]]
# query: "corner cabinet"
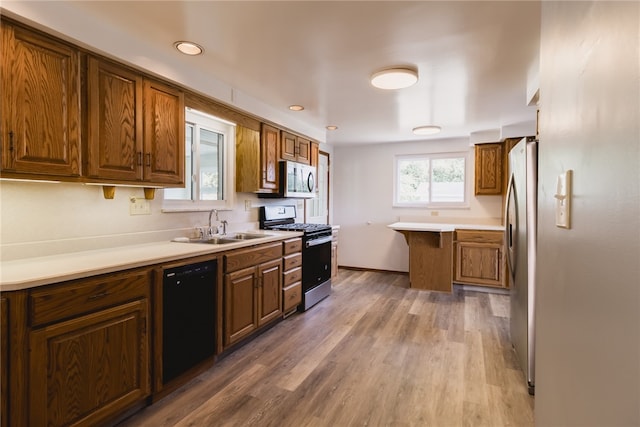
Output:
[[88, 349], [252, 290], [488, 169], [480, 258], [257, 159], [40, 105]]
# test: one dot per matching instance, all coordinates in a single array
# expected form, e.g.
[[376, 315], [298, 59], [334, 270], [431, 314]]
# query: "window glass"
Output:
[[431, 180], [209, 168]]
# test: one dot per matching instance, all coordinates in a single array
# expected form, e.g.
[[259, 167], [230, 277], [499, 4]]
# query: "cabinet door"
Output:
[[269, 291], [479, 263], [303, 151], [239, 304], [40, 104], [315, 154], [164, 129], [288, 144], [488, 165], [269, 145], [88, 369], [114, 146], [4, 366]]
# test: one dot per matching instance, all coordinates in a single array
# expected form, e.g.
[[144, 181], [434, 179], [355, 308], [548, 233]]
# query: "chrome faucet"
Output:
[[224, 226], [217, 220]]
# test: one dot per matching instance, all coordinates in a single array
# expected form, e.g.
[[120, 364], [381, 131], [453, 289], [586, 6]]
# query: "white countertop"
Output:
[[441, 227], [31, 272]]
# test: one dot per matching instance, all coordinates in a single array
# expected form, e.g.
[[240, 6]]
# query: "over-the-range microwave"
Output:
[[297, 180]]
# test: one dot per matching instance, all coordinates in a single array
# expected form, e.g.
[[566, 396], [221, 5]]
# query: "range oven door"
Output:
[[316, 262]]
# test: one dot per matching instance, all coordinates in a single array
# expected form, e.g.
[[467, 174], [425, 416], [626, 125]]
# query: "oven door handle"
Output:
[[320, 241]]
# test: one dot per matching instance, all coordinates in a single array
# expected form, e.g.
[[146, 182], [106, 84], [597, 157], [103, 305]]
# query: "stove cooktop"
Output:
[[307, 228]]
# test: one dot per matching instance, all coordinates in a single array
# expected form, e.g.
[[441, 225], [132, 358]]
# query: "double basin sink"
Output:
[[224, 238]]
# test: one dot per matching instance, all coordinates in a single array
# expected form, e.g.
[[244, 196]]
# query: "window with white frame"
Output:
[[209, 153], [431, 180]]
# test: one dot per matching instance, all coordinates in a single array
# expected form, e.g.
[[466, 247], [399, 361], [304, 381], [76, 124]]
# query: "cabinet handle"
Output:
[[98, 296], [148, 159], [139, 158], [10, 140]]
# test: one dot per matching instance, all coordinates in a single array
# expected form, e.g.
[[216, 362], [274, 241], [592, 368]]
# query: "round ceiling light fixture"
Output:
[[296, 107], [189, 48], [427, 130], [332, 127], [395, 78]]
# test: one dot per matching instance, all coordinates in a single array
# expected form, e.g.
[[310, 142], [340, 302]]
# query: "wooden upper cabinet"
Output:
[[488, 169], [295, 148], [257, 159], [269, 144], [164, 128], [114, 149], [315, 154], [40, 104]]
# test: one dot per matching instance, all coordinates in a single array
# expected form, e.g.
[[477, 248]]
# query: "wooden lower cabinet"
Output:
[[85, 370], [4, 365], [292, 275], [252, 295], [480, 258]]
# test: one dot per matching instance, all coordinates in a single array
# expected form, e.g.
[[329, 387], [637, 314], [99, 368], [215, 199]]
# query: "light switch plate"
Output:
[[563, 200], [139, 206]]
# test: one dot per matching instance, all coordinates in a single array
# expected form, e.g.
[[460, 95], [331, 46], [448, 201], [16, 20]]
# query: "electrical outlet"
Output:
[[139, 206], [435, 213], [247, 205]]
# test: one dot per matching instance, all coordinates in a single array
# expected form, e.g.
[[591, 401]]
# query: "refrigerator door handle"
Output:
[[511, 228]]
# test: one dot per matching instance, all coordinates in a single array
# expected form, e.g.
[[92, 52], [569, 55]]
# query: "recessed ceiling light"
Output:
[[188, 48], [296, 107], [332, 127], [426, 130], [394, 78]]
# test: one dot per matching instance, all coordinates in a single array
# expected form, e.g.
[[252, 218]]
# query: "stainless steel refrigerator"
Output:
[[521, 225]]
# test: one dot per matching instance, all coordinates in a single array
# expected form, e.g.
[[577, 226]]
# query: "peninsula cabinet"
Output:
[[88, 349], [252, 290], [295, 148], [135, 126], [480, 258], [488, 169], [257, 155], [40, 105]]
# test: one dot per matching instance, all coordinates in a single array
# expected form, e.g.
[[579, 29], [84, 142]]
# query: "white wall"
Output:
[[588, 317], [363, 196]]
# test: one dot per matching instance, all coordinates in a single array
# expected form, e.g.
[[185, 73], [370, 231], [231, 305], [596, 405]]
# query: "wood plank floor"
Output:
[[374, 353]]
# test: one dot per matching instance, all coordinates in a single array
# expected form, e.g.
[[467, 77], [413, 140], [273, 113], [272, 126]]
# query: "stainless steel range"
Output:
[[316, 251]]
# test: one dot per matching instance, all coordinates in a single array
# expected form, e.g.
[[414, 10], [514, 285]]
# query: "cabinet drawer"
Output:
[[70, 299], [292, 245], [292, 296], [242, 258], [292, 261], [292, 276], [480, 236]]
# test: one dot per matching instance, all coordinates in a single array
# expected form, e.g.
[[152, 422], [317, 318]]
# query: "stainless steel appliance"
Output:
[[188, 317], [316, 251], [521, 226], [297, 180]]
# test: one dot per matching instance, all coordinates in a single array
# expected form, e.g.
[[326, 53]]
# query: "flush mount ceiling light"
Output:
[[395, 78], [188, 48], [296, 107], [332, 127], [426, 130]]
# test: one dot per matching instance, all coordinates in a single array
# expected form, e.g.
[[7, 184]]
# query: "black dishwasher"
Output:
[[188, 317]]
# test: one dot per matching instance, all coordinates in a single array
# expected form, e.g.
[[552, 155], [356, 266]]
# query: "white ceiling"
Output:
[[474, 58]]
